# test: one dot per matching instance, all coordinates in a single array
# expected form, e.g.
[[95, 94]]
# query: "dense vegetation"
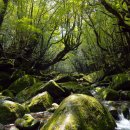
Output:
[[65, 35], [52, 46]]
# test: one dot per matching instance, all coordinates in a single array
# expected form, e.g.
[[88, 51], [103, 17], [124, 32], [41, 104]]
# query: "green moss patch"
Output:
[[80, 112]]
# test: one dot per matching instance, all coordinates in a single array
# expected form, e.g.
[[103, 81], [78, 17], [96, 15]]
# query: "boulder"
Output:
[[93, 77], [28, 92], [40, 102], [61, 78], [74, 87], [114, 113], [120, 82], [27, 122], [110, 94], [22, 83], [51, 87], [10, 111], [80, 112]]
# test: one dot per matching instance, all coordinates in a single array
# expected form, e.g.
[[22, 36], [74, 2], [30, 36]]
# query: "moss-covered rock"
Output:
[[27, 122], [74, 87], [110, 94], [9, 111], [120, 82], [8, 93], [61, 78], [17, 74], [40, 102], [95, 76], [53, 89], [22, 83], [28, 92], [80, 112]]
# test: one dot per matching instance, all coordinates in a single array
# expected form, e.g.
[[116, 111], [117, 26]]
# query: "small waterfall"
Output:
[[123, 123]]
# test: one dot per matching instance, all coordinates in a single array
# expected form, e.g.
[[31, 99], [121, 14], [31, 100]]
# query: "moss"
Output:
[[74, 87], [22, 83], [9, 111], [40, 102], [80, 112], [7, 92], [27, 122], [93, 77], [120, 82], [17, 74], [110, 94], [29, 92]]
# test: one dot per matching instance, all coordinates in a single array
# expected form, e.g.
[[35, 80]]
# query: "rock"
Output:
[[64, 78], [28, 92], [40, 102], [110, 94], [8, 93], [27, 123], [80, 112], [120, 82], [74, 87], [17, 74], [1, 126], [53, 108], [22, 83], [95, 76], [125, 111], [9, 111], [53, 89], [114, 113]]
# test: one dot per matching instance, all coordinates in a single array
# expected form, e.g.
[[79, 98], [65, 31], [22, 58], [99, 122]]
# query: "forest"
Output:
[[64, 64]]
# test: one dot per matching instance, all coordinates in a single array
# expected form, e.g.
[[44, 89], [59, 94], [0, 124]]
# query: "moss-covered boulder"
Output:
[[28, 92], [93, 77], [22, 83], [17, 74], [64, 78], [51, 87], [110, 94], [8, 93], [10, 111], [40, 102], [27, 122], [74, 87], [80, 112], [120, 82]]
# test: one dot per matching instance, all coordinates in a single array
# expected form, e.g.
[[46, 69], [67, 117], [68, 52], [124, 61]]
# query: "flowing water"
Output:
[[123, 123]]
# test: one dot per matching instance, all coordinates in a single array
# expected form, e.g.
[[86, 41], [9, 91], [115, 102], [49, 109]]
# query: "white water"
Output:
[[123, 123]]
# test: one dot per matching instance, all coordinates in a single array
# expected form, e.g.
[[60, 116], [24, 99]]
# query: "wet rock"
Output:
[[9, 111], [27, 122], [40, 102], [110, 94], [125, 111], [80, 112], [114, 113], [120, 82], [53, 107], [1, 126]]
